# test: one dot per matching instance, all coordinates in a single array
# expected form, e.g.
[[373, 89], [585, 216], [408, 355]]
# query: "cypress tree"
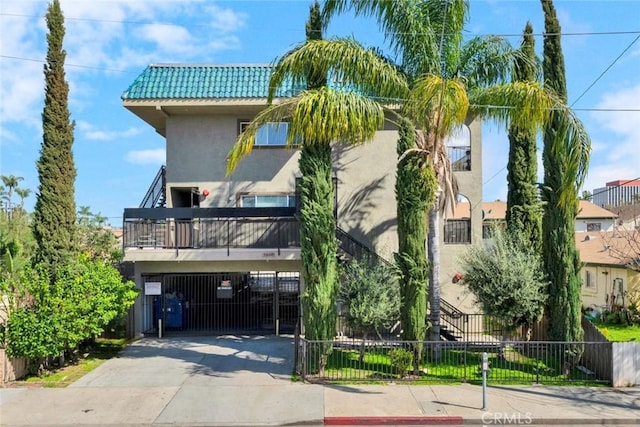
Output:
[[318, 243], [55, 210], [415, 193], [524, 211], [560, 255]]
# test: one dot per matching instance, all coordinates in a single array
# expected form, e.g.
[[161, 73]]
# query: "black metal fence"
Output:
[[511, 362]]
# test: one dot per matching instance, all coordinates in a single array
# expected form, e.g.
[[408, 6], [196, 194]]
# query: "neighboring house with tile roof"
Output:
[[590, 218], [606, 278], [222, 253]]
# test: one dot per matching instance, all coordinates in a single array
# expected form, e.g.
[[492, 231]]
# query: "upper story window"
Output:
[[269, 135], [458, 228], [459, 149], [268, 200]]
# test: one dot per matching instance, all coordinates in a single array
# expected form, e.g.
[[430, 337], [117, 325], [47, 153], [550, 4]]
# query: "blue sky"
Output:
[[109, 43]]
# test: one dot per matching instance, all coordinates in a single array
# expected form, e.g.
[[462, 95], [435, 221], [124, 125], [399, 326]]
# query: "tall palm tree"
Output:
[[23, 193], [449, 80], [11, 182]]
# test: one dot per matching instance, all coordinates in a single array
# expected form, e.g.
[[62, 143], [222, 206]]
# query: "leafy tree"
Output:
[[507, 279], [565, 169], [54, 216], [415, 192], [95, 238], [586, 195], [371, 294], [524, 210], [78, 305]]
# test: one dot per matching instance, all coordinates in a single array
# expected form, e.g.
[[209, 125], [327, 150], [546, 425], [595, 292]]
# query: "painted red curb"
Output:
[[407, 421]]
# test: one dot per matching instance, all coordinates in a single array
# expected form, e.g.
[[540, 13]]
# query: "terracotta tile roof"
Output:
[[595, 248], [497, 210], [589, 210]]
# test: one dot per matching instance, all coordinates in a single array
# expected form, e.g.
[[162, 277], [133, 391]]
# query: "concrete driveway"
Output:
[[223, 380]]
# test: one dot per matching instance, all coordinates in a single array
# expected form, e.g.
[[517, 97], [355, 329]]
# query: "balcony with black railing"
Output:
[[211, 228], [460, 157]]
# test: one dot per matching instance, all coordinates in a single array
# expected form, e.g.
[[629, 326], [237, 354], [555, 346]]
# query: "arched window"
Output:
[[459, 149], [457, 228]]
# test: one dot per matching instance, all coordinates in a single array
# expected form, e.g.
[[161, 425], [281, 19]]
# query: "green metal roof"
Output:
[[205, 82]]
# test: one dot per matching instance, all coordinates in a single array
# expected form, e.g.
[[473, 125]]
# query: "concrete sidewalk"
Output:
[[462, 404], [245, 381]]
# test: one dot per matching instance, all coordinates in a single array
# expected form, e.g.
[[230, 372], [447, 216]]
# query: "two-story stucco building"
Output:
[[221, 253]]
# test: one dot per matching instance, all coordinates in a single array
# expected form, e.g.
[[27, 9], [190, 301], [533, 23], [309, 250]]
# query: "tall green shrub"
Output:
[[415, 193], [78, 305], [318, 243], [562, 172], [506, 278], [524, 210], [371, 295], [55, 212]]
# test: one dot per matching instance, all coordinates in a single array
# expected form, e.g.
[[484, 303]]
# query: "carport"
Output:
[[255, 302]]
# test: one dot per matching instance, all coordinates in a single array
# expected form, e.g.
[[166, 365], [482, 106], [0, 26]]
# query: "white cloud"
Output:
[[169, 38], [146, 157], [226, 20], [617, 143], [89, 132]]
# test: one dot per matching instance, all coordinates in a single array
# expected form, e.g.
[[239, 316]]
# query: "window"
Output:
[[594, 226], [267, 200], [269, 135], [589, 280], [459, 149]]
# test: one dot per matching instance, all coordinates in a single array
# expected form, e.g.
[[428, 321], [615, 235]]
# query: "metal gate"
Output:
[[248, 302]]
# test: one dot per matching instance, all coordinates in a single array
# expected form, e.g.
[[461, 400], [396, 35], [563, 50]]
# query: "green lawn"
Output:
[[515, 366], [95, 355], [619, 332]]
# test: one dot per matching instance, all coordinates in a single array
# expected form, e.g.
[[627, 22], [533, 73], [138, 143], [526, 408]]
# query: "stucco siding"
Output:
[[197, 151]]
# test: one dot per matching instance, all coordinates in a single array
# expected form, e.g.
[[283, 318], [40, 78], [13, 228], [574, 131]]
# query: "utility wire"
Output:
[[606, 70], [169, 24], [66, 64], [607, 189]]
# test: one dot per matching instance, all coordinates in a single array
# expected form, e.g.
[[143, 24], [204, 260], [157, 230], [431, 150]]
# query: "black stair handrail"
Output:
[[156, 194], [453, 316], [357, 249]]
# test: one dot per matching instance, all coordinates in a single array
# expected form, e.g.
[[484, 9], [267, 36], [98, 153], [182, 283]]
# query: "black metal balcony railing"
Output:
[[457, 231], [460, 157], [182, 228]]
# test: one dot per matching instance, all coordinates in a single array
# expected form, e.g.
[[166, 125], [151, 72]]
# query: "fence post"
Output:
[[465, 362]]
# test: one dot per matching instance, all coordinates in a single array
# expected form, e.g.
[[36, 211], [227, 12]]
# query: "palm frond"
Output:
[[437, 105], [526, 105], [485, 61], [345, 60]]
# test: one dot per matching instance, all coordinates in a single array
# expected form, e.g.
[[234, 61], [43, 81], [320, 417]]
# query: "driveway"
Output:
[[207, 360], [223, 380]]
